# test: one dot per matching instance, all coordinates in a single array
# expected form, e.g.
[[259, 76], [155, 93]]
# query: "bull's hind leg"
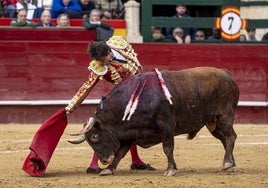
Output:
[[225, 133]]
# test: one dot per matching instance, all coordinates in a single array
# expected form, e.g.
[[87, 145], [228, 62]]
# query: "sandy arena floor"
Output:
[[199, 162]]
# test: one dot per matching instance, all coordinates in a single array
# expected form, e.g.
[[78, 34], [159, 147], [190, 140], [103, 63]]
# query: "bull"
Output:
[[198, 97]]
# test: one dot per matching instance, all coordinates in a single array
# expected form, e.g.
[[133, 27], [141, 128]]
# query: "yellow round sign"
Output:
[[230, 23]]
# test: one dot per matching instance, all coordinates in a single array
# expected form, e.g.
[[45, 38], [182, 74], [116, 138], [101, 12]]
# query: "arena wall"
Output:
[[39, 77]]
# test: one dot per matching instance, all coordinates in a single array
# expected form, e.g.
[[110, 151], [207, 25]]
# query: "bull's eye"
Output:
[[94, 138]]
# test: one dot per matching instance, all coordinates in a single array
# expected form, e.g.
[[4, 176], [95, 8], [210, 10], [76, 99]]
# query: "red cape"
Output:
[[44, 143]]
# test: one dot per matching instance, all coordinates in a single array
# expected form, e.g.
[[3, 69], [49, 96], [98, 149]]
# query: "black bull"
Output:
[[200, 96]]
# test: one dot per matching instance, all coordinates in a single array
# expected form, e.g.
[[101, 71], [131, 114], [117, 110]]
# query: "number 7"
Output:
[[232, 19]]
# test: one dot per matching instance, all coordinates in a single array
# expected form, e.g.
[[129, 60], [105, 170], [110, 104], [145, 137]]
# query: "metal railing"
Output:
[[148, 20]]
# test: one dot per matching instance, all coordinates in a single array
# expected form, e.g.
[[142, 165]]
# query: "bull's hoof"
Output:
[[231, 170], [171, 172], [106, 172], [228, 167]]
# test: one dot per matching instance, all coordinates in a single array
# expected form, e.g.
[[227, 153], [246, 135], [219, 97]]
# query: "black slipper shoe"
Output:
[[93, 170], [141, 167]]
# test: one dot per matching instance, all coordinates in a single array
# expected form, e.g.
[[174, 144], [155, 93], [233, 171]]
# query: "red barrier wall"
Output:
[[46, 34], [32, 70]]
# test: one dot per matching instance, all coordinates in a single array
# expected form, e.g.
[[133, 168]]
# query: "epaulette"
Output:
[[117, 42], [98, 68]]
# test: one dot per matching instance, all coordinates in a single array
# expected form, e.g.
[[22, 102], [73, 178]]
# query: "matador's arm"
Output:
[[82, 92]]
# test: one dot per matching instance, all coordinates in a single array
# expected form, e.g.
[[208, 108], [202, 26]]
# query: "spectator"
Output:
[[216, 34], [103, 31], [28, 5], [188, 32], [157, 34], [251, 35], [21, 20], [39, 9], [86, 7], [114, 7], [45, 19], [47, 4], [10, 8], [199, 35], [265, 37], [177, 34], [70, 7], [242, 38], [63, 21], [107, 15]]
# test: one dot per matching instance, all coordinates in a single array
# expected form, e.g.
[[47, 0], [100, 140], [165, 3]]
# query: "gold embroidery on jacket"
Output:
[[125, 49], [97, 67], [115, 76], [82, 92]]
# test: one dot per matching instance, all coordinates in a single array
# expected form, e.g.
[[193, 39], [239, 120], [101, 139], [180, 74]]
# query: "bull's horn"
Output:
[[86, 128], [79, 140]]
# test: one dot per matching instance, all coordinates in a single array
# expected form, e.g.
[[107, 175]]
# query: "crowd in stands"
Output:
[[111, 9], [185, 35], [64, 10], [25, 12]]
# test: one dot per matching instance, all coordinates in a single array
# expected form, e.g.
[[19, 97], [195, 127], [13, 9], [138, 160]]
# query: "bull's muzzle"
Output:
[[108, 160]]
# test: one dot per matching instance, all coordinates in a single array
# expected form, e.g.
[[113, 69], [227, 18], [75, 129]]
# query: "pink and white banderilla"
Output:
[[132, 104], [163, 85]]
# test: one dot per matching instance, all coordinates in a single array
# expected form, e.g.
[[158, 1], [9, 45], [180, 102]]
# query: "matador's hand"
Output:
[[68, 111]]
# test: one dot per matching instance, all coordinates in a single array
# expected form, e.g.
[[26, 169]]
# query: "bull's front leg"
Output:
[[168, 147], [109, 170]]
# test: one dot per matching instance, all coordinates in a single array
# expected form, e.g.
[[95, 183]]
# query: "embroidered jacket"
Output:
[[114, 73]]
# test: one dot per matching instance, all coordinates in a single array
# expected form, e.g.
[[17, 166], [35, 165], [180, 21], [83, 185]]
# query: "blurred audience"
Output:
[[242, 38], [70, 7], [199, 35], [188, 32], [216, 34], [47, 4], [9, 8], [86, 7], [39, 8], [103, 30], [178, 35], [251, 34], [63, 21], [106, 15], [21, 20], [157, 34], [111, 9], [29, 6], [45, 19], [265, 37]]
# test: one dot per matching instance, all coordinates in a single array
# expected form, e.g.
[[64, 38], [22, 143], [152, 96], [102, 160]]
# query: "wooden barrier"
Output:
[[33, 73], [119, 25], [46, 34]]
